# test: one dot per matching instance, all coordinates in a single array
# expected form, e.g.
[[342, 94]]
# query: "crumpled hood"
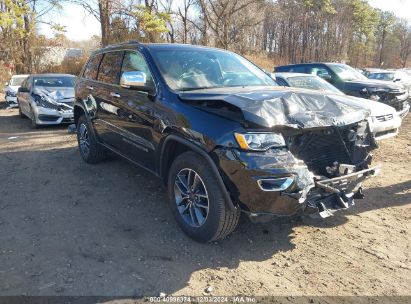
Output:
[[270, 107], [56, 94]]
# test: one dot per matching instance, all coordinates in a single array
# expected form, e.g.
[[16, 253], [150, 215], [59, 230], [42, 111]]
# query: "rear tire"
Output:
[[91, 151], [203, 224]]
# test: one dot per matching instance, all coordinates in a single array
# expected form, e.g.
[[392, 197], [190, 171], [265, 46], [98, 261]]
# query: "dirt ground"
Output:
[[69, 228]]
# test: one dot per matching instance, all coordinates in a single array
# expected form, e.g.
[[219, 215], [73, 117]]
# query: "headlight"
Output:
[[374, 97], [11, 93], [259, 141]]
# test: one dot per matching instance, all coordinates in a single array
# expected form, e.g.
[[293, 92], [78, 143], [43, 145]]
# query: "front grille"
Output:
[[383, 118], [44, 117], [321, 149]]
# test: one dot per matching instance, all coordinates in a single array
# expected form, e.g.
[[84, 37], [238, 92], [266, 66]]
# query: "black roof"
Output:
[[154, 46]]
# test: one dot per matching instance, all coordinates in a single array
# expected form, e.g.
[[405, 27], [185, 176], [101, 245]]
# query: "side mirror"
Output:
[[134, 80], [23, 90], [398, 79], [6, 84]]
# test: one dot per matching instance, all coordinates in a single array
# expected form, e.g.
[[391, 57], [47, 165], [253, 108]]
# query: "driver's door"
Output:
[[24, 97], [136, 114]]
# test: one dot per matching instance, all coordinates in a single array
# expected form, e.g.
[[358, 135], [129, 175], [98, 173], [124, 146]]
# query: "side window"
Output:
[[281, 82], [24, 83], [90, 72], [109, 70], [134, 61], [318, 71], [298, 69]]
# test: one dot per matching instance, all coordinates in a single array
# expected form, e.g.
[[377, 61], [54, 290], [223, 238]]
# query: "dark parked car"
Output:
[[351, 82], [221, 134]]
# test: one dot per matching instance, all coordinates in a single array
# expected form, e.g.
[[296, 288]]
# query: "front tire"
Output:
[[20, 112], [91, 151], [197, 201], [34, 124]]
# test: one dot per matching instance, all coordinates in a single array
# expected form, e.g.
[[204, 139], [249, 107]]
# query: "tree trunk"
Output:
[[105, 8]]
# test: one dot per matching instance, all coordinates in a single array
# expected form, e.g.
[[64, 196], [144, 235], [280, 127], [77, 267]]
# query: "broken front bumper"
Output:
[[331, 195], [275, 183], [46, 116]]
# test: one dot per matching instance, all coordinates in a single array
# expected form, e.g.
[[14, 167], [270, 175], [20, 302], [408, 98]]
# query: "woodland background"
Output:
[[268, 32]]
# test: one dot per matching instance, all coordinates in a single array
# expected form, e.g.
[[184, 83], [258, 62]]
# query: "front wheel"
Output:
[[34, 124], [197, 201], [91, 151], [20, 112]]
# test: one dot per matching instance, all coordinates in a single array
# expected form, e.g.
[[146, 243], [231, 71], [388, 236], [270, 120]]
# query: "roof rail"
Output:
[[121, 44]]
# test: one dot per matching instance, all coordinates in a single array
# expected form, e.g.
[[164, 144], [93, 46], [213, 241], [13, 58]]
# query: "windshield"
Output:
[[186, 70], [382, 76], [346, 73], [17, 81], [54, 82], [312, 82]]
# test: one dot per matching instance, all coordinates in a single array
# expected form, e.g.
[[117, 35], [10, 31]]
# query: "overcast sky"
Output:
[[81, 26]]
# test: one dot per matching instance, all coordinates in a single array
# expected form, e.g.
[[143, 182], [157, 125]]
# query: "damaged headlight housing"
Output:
[[259, 141], [42, 101], [374, 93]]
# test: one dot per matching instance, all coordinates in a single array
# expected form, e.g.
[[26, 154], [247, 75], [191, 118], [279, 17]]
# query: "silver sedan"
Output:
[[47, 99]]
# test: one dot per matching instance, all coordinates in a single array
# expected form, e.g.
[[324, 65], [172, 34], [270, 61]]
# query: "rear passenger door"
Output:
[[87, 90]]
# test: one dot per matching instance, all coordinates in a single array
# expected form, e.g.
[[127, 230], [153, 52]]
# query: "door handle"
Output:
[[115, 95], [90, 88]]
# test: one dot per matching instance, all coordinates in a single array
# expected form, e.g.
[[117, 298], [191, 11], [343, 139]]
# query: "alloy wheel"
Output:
[[84, 141], [191, 197]]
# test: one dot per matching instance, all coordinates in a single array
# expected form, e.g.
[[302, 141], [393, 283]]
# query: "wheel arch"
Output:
[[78, 111], [175, 145]]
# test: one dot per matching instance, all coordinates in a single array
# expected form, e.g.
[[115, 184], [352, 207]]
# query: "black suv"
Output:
[[353, 83], [221, 135]]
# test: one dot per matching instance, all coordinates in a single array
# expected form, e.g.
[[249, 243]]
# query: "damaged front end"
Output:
[[340, 160], [53, 107], [318, 172], [317, 168]]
